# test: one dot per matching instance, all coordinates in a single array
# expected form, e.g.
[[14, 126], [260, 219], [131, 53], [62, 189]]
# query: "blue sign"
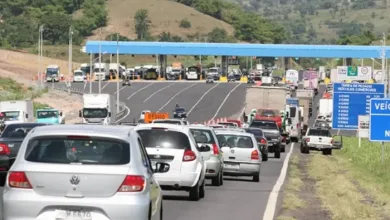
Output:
[[379, 120], [351, 100], [292, 101]]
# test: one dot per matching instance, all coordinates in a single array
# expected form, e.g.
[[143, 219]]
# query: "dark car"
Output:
[[180, 113], [284, 140], [10, 141], [231, 78], [261, 141], [126, 81], [272, 133]]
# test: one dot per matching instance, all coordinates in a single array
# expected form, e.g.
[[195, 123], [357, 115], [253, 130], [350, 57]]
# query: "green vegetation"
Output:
[[185, 23], [11, 90]]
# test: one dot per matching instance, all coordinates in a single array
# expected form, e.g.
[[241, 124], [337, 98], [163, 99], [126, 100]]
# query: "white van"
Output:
[[294, 119]]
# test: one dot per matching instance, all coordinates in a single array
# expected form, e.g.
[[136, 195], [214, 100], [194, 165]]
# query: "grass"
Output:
[[165, 17]]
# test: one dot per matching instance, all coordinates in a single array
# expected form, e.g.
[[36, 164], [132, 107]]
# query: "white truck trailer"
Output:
[[98, 109], [17, 111]]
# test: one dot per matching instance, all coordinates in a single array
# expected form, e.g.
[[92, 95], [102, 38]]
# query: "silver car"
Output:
[[205, 136], [241, 155], [87, 172]]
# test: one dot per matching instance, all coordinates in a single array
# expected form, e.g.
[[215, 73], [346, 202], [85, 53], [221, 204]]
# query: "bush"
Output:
[[185, 23]]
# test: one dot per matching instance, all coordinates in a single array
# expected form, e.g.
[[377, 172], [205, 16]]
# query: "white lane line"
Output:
[[241, 113], [139, 90], [273, 197], [120, 89], [223, 102], [85, 85], [128, 113], [158, 92], [189, 112], [105, 85], [176, 95]]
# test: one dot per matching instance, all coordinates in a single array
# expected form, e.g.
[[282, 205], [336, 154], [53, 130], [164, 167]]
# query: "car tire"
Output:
[[2, 180], [221, 181], [202, 189], [283, 149], [216, 181], [277, 152], [264, 156], [327, 152], [161, 211], [194, 192], [256, 178]]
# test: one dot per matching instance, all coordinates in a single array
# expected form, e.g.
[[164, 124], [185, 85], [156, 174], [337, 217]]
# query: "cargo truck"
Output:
[[17, 111], [98, 109], [305, 105]]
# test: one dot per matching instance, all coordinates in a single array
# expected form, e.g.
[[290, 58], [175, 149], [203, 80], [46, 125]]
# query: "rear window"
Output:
[[264, 124], [18, 130], [293, 112], [238, 141], [162, 138], [68, 150], [256, 132], [203, 136], [319, 132], [167, 122]]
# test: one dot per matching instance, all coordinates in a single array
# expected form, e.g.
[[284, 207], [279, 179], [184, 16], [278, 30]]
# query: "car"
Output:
[[271, 131], [205, 136], [322, 123], [284, 141], [261, 141], [231, 129], [251, 80], [175, 144], [10, 140], [61, 169], [210, 79], [179, 113], [229, 124], [241, 155], [216, 126], [231, 78], [126, 81], [79, 76], [319, 139], [171, 121]]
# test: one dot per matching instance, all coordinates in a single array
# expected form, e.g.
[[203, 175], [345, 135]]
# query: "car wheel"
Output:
[[264, 156], [277, 152], [194, 192], [216, 181], [221, 181], [202, 190], [327, 152], [283, 149], [256, 177], [161, 211]]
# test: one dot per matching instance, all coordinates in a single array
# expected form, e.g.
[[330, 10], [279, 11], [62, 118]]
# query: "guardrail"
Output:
[[71, 90]]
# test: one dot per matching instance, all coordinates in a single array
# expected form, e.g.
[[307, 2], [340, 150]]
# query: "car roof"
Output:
[[183, 128], [169, 119], [88, 130], [30, 123], [230, 132], [204, 127]]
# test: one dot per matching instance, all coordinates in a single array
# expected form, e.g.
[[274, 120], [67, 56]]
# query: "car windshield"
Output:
[[192, 69], [239, 141], [319, 132], [11, 115], [51, 71], [203, 136], [78, 73], [69, 150], [269, 113], [256, 132], [264, 125], [95, 112], [180, 110], [47, 114], [18, 130], [163, 138]]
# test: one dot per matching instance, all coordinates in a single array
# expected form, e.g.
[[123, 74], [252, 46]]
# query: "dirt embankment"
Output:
[[23, 67]]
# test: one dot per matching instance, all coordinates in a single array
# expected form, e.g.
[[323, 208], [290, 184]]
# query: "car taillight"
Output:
[[331, 141], [189, 155], [284, 138], [255, 155], [18, 180], [307, 139], [263, 141], [4, 149], [132, 184], [215, 149]]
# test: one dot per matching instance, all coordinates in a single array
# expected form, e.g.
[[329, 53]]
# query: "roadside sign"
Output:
[[351, 100], [379, 118], [354, 73], [292, 101], [363, 126], [150, 116]]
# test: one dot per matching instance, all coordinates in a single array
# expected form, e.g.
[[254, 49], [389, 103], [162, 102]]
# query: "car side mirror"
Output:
[[204, 148], [80, 115], [161, 167], [60, 113]]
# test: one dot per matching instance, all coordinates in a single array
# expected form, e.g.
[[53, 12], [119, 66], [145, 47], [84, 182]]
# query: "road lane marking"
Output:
[[223, 102], [128, 113], [175, 96], [189, 112], [139, 90], [158, 92], [85, 85], [121, 89], [105, 85], [273, 196]]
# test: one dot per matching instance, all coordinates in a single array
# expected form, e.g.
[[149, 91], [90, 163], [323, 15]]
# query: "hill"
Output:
[[165, 16]]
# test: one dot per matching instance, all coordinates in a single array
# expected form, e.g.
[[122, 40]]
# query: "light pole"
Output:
[[70, 51], [117, 72], [40, 54], [100, 61], [91, 69]]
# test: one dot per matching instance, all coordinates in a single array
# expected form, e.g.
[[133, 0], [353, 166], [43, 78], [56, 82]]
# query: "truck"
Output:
[[101, 71], [325, 107], [49, 116], [305, 105], [292, 78], [310, 81], [86, 68], [52, 73], [98, 109], [21, 111]]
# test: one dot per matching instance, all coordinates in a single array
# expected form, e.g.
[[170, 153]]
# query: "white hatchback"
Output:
[[175, 145]]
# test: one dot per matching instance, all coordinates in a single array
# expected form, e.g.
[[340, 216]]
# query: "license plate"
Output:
[[231, 166], [319, 146], [73, 215]]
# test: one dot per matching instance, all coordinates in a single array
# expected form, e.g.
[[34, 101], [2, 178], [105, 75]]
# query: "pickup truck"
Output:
[[320, 139], [272, 134]]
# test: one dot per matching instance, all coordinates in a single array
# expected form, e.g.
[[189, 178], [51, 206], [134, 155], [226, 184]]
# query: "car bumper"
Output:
[[180, 180], [120, 206], [241, 169], [213, 167], [319, 146]]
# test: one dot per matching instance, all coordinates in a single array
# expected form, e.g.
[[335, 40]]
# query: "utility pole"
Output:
[[111, 54], [100, 61], [91, 70], [40, 55], [117, 72], [386, 82], [70, 52]]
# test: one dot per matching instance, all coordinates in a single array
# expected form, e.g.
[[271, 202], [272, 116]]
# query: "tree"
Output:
[[218, 35], [56, 27], [142, 24], [185, 23]]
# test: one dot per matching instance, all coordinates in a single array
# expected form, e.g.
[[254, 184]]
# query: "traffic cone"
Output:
[[217, 120], [225, 120]]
